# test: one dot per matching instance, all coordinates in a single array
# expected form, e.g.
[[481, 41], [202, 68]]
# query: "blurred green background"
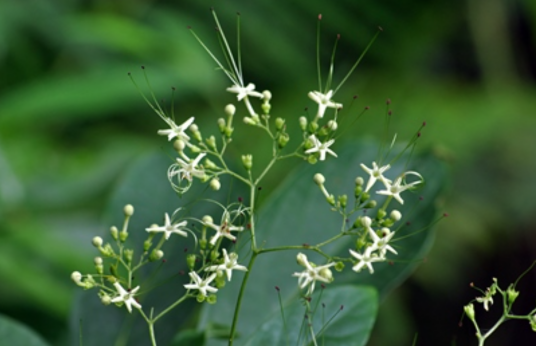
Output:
[[71, 122]]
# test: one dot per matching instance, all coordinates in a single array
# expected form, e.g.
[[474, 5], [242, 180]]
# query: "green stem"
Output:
[[171, 307], [270, 164], [240, 296]]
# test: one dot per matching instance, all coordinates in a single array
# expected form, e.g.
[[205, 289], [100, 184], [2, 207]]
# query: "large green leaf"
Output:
[[344, 316], [145, 186], [15, 334], [297, 213]]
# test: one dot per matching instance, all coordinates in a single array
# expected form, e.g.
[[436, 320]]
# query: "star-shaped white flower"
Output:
[[376, 173], [381, 244], [224, 229], [230, 263], [397, 187], [176, 131], [321, 148], [365, 259], [201, 285], [188, 170], [311, 274], [244, 91], [324, 101], [169, 228], [126, 297]]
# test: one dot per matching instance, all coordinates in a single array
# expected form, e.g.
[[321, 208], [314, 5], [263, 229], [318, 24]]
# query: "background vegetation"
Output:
[[71, 123]]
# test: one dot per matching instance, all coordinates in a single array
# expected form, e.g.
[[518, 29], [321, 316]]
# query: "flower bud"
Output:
[[313, 127], [97, 261], [128, 253], [283, 140], [247, 161], [371, 204], [359, 181], [179, 145], [200, 298], [105, 299], [129, 210], [211, 142], [381, 214], [123, 235], [190, 261], [319, 179], [207, 219], [212, 299], [331, 200], [203, 243], [301, 259], [114, 232], [156, 255], [343, 200], [395, 215], [303, 123], [266, 95], [366, 221], [97, 242], [279, 123], [470, 311], [332, 125], [512, 294], [312, 159], [339, 266], [326, 274], [230, 110], [215, 184], [76, 277], [249, 121], [357, 191]]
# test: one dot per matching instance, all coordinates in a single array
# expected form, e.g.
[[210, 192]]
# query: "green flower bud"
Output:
[[215, 184], [97, 242], [359, 181], [114, 232], [371, 204], [249, 121], [123, 235], [148, 243], [303, 123], [113, 270], [200, 298], [156, 255], [107, 251], [319, 179], [129, 210], [211, 142], [247, 161], [105, 299], [358, 190], [179, 145], [312, 159], [331, 200], [266, 95], [381, 214], [283, 140], [360, 243], [279, 123], [214, 255], [128, 254], [332, 125], [212, 299], [470, 311], [190, 261], [301, 259], [230, 110], [365, 197], [203, 243], [77, 278], [339, 266], [395, 215], [266, 108], [228, 132], [326, 274], [313, 127], [343, 200], [512, 294]]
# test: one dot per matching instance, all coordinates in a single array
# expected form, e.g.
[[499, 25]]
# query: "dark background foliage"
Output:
[[71, 123]]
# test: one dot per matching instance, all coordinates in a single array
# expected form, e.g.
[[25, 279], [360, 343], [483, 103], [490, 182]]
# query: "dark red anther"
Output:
[[388, 101], [306, 245], [143, 67], [277, 288], [342, 307], [338, 36], [367, 108], [356, 96], [390, 112], [164, 260], [181, 272], [445, 215], [320, 16]]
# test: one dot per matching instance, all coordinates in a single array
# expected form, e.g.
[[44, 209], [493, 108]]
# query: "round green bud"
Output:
[[283, 140], [129, 210], [128, 253], [215, 184], [247, 161], [203, 243], [76, 277], [106, 299], [332, 125], [319, 179], [97, 242], [179, 145], [200, 298], [207, 219], [123, 235], [331, 200], [371, 204], [266, 95], [211, 142], [266, 108], [395, 215], [156, 255], [313, 127], [214, 255], [339, 266], [301, 259], [147, 244], [279, 123], [230, 110], [343, 200], [312, 159], [326, 274], [228, 132], [97, 261], [249, 121], [212, 299], [359, 181], [381, 214], [358, 190], [365, 197]]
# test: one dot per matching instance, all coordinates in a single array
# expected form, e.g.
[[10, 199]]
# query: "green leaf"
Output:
[[345, 316], [297, 213], [146, 187], [14, 333], [189, 337]]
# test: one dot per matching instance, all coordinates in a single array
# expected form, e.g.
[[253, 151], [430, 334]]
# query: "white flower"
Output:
[[201, 285], [230, 263], [169, 228], [382, 243], [176, 131], [312, 273], [224, 229], [324, 101], [365, 259], [321, 148], [126, 297], [397, 187], [244, 91], [188, 169], [486, 300], [376, 173]]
